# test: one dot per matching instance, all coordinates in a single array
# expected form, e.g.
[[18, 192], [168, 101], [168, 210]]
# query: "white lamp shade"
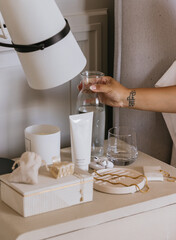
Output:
[[33, 21]]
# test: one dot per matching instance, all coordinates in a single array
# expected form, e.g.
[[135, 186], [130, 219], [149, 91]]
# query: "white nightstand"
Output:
[[145, 216]]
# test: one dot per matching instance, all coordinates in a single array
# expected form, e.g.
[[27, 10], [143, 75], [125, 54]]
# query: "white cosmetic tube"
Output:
[[81, 137]]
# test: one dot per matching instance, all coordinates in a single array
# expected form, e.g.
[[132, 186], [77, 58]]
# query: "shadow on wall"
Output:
[[91, 4], [149, 47], [22, 106]]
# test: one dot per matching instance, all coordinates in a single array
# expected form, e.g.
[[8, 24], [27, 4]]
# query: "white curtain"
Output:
[[145, 47]]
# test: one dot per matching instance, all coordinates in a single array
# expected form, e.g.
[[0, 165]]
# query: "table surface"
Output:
[[103, 208]]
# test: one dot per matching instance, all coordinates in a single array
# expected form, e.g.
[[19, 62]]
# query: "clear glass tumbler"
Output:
[[88, 101], [122, 147]]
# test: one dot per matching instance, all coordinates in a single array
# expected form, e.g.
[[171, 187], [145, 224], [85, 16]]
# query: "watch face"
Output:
[[6, 165]]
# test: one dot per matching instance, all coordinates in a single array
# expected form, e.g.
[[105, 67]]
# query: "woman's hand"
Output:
[[111, 92]]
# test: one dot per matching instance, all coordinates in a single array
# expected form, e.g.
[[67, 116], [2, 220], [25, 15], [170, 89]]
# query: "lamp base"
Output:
[[6, 165]]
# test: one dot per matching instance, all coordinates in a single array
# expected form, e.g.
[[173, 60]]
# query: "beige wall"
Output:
[[21, 106], [148, 49]]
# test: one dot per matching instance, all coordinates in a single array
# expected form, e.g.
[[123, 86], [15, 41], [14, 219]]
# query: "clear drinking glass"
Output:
[[122, 147], [88, 101]]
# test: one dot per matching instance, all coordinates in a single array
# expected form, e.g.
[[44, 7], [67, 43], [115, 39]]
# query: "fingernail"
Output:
[[93, 87]]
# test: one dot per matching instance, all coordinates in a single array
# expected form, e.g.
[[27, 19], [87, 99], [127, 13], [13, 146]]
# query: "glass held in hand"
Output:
[[122, 147], [88, 101]]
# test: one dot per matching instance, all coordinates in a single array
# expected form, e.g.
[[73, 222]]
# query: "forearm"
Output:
[[152, 99], [114, 94]]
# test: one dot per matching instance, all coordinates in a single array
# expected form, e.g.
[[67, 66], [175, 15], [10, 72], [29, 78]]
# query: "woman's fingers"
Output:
[[100, 88], [104, 86]]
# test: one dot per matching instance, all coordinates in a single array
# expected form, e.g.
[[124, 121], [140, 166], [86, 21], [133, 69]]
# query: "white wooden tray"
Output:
[[133, 185]]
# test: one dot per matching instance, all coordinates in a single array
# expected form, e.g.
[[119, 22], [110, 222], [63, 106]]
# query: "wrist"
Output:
[[129, 98]]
